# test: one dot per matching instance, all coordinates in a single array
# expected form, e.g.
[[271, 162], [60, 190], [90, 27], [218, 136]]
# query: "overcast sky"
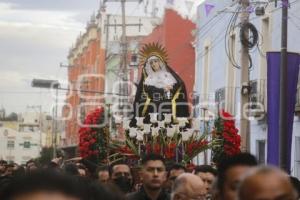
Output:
[[36, 36]]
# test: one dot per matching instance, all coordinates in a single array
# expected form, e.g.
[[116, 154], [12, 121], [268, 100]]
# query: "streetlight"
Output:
[[50, 84]]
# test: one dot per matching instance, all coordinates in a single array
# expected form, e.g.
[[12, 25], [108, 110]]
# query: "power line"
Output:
[[294, 15], [273, 10], [21, 92], [295, 24], [229, 46]]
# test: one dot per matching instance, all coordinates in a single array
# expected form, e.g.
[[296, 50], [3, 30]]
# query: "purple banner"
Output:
[[273, 60]]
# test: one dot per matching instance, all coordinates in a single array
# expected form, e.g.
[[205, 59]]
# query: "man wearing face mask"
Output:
[[121, 176]]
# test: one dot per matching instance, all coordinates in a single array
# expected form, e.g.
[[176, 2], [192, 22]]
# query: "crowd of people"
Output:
[[236, 178]]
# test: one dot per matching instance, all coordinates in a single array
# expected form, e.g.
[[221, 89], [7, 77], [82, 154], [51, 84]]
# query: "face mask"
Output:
[[124, 184]]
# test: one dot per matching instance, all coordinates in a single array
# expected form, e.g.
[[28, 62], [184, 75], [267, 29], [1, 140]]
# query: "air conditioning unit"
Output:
[[253, 86], [256, 99]]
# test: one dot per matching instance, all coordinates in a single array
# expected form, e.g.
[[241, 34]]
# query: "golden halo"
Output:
[[153, 49]]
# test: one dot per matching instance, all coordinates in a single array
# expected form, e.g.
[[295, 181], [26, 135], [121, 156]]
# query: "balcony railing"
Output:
[[228, 98], [223, 98], [202, 101], [258, 97]]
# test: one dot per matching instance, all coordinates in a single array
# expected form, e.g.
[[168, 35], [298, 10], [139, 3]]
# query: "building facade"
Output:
[[94, 67], [19, 147], [175, 33], [217, 81], [85, 61], [24, 138]]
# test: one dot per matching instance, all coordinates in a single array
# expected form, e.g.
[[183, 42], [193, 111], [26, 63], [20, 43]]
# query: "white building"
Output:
[[19, 147], [111, 27], [218, 78], [23, 139]]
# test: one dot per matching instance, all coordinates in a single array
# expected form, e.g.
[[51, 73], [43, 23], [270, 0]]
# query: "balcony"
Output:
[[226, 98], [202, 102], [258, 101], [297, 108], [220, 98], [223, 98]]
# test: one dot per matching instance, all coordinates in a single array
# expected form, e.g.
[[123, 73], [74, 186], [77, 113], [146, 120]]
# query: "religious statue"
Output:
[[160, 89]]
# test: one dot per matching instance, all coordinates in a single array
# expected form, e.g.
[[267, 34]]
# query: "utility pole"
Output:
[[124, 88], [40, 122], [54, 126], [245, 128], [283, 138], [123, 65], [54, 84], [124, 42]]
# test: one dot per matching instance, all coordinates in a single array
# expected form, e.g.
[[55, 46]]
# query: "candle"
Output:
[[132, 132], [147, 128], [171, 131], [126, 123], [155, 131], [139, 121], [182, 121], [168, 118], [153, 117]]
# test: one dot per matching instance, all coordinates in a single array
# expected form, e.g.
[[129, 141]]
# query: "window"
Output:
[[10, 144], [27, 145], [220, 97], [261, 151]]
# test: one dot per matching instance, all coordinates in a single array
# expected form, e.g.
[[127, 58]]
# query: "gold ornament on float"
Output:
[[153, 49]]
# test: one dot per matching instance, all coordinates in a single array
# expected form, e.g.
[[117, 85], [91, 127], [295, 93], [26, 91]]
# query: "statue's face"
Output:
[[155, 64]]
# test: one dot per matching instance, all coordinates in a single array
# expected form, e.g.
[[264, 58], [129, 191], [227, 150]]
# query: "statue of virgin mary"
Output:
[[160, 89]]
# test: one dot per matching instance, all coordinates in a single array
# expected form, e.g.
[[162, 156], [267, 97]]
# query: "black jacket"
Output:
[[142, 195]]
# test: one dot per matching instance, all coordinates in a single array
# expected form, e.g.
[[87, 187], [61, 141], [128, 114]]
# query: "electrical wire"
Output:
[[260, 38], [294, 15], [216, 41], [274, 10], [294, 23], [248, 41], [135, 9], [223, 11], [21, 92], [206, 29], [232, 24], [229, 46]]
